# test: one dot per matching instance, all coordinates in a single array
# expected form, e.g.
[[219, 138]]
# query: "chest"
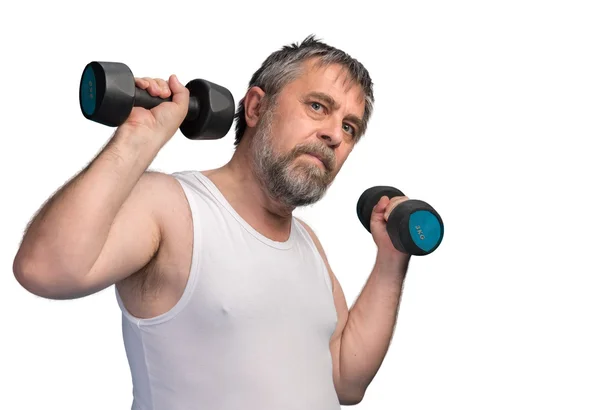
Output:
[[254, 286]]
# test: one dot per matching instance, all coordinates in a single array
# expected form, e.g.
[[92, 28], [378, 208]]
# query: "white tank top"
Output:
[[253, 326]]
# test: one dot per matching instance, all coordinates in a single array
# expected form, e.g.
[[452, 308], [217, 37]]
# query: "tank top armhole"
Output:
[[192, 274], [304, 233]]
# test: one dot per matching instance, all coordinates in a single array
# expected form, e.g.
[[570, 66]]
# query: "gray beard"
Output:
[[292, 185]]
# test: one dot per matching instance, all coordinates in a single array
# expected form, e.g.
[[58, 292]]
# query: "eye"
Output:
[[349, 129], [315, 106]]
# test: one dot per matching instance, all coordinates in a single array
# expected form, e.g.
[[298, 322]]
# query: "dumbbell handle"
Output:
[[143, 99]]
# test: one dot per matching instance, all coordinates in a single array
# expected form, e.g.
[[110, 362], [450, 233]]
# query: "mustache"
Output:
[[324, 154]]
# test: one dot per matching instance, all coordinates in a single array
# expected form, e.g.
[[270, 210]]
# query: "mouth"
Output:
[[318, 159]]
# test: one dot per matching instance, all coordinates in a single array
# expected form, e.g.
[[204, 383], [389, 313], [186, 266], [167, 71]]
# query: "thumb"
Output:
[[181, 94], [379, 209]]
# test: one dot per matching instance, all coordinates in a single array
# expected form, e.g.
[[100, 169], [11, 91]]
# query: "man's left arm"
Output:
[[368, 332], [364, 333]]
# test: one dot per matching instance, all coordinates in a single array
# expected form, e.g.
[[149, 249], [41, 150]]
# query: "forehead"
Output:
[[333, 79]]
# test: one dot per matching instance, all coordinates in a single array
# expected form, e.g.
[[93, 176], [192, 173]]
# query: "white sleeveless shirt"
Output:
[[252, 329]]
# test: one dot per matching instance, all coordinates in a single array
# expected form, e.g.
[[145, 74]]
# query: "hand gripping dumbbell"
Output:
[[107, 94], [414, 226]]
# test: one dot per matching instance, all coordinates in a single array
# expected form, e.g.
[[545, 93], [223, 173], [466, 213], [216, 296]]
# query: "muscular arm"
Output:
[[99, 228], [364, 332]]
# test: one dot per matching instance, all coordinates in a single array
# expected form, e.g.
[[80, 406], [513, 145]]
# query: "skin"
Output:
[[300, 122], [318, 113]]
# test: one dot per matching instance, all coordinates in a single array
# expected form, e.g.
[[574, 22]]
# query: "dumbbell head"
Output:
[[212, 113], [368, 200], [414, 226], [107, 94]]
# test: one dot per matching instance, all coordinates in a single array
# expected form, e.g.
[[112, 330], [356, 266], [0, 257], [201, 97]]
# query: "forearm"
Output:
[[371, 322], [70, 230]]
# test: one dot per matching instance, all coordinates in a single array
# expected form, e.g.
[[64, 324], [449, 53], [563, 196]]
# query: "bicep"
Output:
[[134, 237]]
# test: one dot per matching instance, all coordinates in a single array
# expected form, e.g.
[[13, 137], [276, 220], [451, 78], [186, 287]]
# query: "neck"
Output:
[[240, 186]]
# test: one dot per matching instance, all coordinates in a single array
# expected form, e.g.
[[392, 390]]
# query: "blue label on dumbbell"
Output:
[[88, 91], [425, 229]]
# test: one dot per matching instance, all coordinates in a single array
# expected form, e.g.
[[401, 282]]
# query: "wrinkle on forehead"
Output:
[[343, 73]]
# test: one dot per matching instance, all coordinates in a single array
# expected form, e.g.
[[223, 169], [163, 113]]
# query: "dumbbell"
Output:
[[414, 226], [107, 94]]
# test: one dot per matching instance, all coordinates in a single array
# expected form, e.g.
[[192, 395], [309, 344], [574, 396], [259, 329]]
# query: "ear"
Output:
[[252, 105]]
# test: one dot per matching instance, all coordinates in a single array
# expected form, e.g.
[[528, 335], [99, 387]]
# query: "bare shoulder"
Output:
[[337, 290], [315, 239], [170, 202], [156, 287], [175, 220]]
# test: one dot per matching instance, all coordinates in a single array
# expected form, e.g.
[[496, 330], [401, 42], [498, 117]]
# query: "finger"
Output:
[[141, 83], [165, 91], [153, 87], [181, 94], [393, 204], [381, 205], [388, 211]]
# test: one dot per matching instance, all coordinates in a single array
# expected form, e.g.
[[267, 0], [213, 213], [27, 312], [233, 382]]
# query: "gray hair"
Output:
[[286, 64]]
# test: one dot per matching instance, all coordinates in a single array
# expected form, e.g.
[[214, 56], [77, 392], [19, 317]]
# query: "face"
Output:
[[317, 115]]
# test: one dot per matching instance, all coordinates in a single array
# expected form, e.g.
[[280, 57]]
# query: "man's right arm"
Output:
[[105, 224], [99, 228]]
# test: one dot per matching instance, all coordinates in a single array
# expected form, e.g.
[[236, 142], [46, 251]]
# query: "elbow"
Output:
[[38, 279], [28, 274], [350, 391], [351, 401], [352, 398]]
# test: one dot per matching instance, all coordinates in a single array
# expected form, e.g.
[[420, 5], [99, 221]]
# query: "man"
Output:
[[228, 300]]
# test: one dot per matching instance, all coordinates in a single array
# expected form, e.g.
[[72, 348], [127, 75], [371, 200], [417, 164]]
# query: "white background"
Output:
[[487, 110]]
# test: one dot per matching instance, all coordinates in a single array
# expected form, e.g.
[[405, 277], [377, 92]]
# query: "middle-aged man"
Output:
[[228, 299]]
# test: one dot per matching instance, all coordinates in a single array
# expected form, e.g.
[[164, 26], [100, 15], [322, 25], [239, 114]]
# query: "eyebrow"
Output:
[[331, 102]]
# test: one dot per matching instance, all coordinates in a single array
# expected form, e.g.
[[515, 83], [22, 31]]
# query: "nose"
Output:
[[332, 133]]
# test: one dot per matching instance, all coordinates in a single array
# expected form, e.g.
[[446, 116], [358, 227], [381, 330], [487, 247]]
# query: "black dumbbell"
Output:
[[414, 226], [107, 94]]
